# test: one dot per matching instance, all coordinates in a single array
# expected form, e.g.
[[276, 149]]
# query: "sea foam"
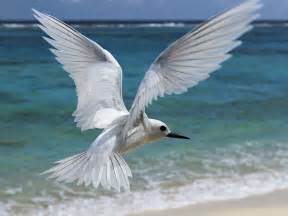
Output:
[[200, 191]]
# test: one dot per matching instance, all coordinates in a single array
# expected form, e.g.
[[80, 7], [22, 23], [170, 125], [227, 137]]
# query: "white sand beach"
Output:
[[273, 204]]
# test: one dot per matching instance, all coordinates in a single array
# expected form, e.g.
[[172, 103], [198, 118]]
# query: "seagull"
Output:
[[98, 80]]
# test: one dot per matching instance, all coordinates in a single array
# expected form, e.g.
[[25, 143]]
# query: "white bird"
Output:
[[98, 80]]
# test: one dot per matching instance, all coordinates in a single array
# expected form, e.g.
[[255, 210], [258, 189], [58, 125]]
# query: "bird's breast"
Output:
[[134, 140]]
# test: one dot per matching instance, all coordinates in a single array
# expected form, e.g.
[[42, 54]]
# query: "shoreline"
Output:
[[275, 203]]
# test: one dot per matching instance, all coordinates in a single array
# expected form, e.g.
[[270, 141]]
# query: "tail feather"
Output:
[[86, 169], [123, 163], [65, 171]]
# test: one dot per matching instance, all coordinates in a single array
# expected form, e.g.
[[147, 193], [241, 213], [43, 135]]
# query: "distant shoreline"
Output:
[[19, 24]]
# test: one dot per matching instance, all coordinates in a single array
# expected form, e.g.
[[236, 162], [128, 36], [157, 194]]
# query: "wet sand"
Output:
[[273, 204]]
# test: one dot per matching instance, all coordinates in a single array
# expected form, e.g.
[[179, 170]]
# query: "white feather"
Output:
[[193, 57], [100, 164], [97, 75]]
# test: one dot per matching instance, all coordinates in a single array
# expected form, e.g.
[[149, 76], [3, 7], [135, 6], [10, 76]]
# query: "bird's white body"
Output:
[[98, 80], [143, 134]]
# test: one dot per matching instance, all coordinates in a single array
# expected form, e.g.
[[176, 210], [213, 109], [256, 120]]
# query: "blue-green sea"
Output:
[[237, 121]]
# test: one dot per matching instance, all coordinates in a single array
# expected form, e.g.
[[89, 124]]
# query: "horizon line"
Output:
[[131, 21]]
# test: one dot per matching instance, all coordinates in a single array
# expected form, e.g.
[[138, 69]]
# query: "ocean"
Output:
[[237, 121]]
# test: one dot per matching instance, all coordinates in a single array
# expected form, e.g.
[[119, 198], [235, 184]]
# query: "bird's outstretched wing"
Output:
[[97, 75], [194, 56]]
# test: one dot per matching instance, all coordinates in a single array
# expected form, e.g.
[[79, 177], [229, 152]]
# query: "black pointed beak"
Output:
[[174, 135]]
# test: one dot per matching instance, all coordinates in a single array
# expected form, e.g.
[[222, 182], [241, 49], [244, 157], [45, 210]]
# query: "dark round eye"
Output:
[[163, 128]]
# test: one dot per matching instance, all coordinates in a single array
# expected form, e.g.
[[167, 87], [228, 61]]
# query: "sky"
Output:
[[132, 9]]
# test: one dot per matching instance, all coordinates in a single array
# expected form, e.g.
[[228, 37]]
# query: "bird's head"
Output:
[[159, 129]]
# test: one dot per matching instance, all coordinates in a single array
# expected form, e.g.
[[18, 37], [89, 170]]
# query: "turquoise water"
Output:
[[237, 121]]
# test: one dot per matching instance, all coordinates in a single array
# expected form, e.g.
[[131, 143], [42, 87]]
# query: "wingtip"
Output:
[[36, 14], [44, 172], [253, 1], [253, 6], [257, 3]]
